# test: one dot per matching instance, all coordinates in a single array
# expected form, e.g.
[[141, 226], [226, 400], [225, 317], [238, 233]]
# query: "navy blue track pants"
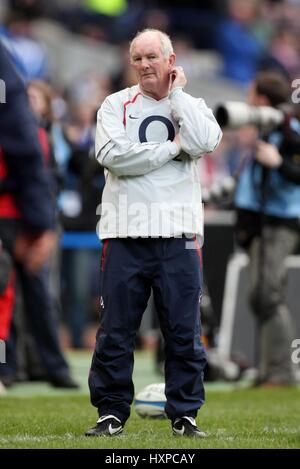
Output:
[[129, 269]]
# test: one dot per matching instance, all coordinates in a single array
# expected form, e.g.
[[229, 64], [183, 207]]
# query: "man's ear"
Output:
[[172, 60]]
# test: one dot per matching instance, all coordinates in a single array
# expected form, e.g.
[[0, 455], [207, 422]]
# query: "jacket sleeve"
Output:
[[290, 151], [199, 131], [123, 157]]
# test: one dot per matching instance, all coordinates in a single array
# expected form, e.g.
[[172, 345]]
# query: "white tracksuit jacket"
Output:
[[151, 188]]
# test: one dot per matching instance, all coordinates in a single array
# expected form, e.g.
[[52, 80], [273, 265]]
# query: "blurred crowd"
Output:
[[247, 36]]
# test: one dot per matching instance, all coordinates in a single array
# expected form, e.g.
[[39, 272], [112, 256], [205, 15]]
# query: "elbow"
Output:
[[106, 164], [202, 148], [214, 140], [115, 167], [201, 143], [99, 158]]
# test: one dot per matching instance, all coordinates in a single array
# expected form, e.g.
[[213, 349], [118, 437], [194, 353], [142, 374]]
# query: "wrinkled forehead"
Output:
[[146, 43]]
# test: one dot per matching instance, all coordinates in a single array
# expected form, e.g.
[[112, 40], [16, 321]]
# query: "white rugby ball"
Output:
[[150, 401]]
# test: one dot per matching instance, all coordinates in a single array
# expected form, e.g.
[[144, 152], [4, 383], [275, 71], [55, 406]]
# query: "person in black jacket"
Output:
[[22, 153], [27, 222]]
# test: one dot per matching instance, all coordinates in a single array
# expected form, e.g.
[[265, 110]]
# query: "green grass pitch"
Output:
[[37, 416]]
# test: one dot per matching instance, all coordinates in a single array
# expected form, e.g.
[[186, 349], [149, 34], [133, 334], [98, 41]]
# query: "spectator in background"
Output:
[[28, 8], [78, 202], [40, 96], [28, 54], [124, 76], [27, 223], [103, 20], [35, 9], [47, 280], [285, 48], [240, 49]]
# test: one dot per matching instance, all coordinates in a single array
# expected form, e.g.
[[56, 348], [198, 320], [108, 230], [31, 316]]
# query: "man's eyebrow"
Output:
[[137, 54]]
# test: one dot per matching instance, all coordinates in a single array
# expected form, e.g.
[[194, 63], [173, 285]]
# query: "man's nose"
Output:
[[145, 63]]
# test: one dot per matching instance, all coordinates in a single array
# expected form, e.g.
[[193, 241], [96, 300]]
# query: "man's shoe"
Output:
[[64, 381], [186, 426], [108, 425]]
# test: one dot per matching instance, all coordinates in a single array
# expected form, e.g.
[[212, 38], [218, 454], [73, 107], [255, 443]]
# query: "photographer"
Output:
[[267, 199]]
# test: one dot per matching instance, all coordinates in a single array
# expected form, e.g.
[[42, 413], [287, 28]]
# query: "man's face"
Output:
[[256, 99], [151, 67]]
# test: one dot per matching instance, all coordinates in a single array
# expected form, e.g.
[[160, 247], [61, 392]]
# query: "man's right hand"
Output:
[[268, 155], [177, 78], [33, 251]]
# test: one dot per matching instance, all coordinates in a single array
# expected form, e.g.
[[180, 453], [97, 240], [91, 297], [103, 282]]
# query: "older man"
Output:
[[149, 138]]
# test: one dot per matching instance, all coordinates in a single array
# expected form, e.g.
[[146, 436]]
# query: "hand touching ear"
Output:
[[177, 78]]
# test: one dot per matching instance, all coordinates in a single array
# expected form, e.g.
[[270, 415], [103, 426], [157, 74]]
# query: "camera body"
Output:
[[235, 114]]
